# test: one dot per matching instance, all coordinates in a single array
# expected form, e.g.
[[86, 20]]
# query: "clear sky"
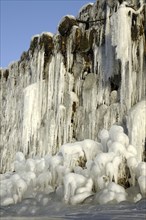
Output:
[[21, 19]]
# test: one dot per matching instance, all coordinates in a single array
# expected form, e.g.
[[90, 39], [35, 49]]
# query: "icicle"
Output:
[[136, 123]]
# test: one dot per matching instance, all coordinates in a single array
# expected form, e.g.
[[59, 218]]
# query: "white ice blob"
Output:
[[132, 164], [115, 188], [131, 151], [142, 185], [20, 157], [91, 148], [114, 130], [19, 163], [104, 137], [72, 154], [79, 198], [141, 169], [105, 196], [44, 180], [122, 138], [71, 182], [117, 148], [30, 165]]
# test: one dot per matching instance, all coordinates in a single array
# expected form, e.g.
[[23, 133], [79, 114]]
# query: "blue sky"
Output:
[[21, 19]]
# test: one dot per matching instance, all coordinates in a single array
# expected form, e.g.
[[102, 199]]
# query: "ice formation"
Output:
[[102, 176], [137, 122], [73, 115]]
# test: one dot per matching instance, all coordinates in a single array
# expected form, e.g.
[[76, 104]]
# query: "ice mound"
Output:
[[113, 193], [79, 170], [77, 153]]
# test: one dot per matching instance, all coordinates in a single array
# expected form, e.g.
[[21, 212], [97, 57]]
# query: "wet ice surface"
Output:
[[54, 209]]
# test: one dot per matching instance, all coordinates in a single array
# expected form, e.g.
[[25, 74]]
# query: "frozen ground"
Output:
[[54, 209]]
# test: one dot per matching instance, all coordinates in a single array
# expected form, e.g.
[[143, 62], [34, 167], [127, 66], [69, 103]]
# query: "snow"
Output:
[[64, 18], [86, 6], [35, 36], [47, 33]]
